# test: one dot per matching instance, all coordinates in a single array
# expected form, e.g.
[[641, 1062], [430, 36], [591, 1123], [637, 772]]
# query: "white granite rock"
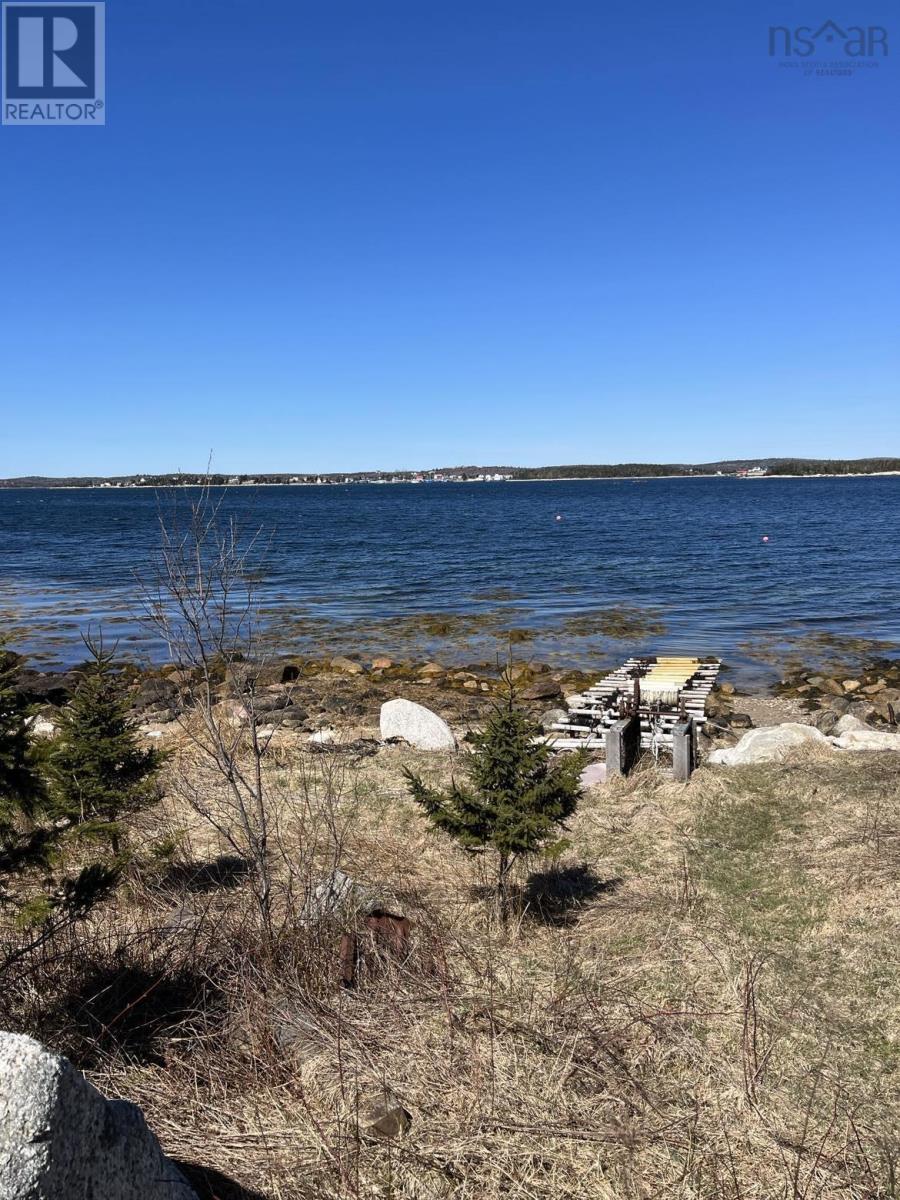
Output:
[[868, 739], [60, 1139], [770, 743], [846, 724], [323, 737], [417, 725]]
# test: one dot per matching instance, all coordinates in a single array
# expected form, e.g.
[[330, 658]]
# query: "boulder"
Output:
[[323, 737], [727, 689], [851, 685], [846, 724], [740, 720], [868, 739], [872, 689], [151, 694], [60, 1139], [832, 686], [768, 744], [162, 716], [46, 687], [336, 895], [543, 689], [271, 702], [825, 720], [552, 717], [386, 1119], [346, 666], [381, 664], [885, 703], [431, 668], [416, 724]]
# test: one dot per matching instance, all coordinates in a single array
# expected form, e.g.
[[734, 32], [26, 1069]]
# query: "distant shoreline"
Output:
[[155, 487], [633, 471]]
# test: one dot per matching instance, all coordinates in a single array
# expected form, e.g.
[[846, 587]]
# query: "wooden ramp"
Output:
[[661, 691]]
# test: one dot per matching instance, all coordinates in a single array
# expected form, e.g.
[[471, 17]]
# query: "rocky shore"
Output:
[[306, 695], [871, 694], [339, 699]]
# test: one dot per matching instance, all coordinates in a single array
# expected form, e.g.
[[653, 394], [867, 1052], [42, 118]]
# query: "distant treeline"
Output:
[[773, 466], [833, 466], [597, 471]]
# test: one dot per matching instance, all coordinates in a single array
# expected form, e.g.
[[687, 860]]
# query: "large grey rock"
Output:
[[847, 724], [60, 1139], [346, 665], [417, 725], [553, 716], [335, 895], [545, 688], [825, 720], [768, 744], [868, 739], [338, 895]]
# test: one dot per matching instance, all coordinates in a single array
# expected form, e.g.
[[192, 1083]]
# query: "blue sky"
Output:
[[356, 234]]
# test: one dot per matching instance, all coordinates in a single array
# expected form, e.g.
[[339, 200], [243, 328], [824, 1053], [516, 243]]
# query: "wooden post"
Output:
[[623, 740], [683, 750]]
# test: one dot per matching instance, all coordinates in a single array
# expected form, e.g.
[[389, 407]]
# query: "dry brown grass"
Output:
[[703, 1005]]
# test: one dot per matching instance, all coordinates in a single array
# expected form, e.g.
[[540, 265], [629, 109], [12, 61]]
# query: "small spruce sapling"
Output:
[[100, 773], [21, 785], [518, 797]]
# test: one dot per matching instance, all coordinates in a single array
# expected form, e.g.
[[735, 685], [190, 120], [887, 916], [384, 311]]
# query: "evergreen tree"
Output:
[[21, 785], [99, 771], [518, 797]]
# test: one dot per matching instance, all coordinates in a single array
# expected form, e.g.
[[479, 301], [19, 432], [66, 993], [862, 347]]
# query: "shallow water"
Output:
[[359, 566]]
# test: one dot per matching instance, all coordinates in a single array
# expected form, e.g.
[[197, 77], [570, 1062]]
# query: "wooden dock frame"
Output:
[[616, 716]]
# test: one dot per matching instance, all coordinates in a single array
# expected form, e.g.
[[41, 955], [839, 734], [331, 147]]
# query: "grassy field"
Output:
[[699, 999]]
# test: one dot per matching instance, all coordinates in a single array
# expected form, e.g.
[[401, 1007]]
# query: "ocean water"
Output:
[[585, 571]]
